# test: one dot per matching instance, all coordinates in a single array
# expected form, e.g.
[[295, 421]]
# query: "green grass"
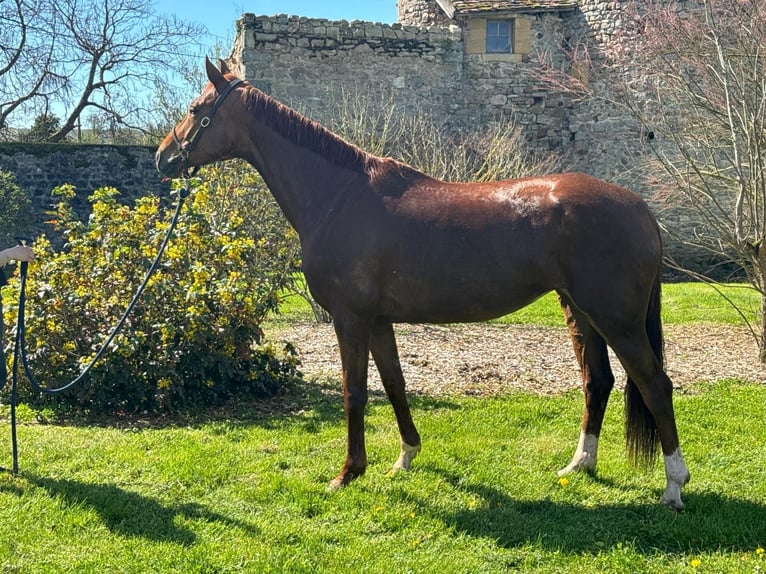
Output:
[[701, 303], [681, 303], [243, 489], [293, 308], [245, 492]]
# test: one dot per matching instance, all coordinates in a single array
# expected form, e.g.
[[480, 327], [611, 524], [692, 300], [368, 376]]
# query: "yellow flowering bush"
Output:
[[194, 337]]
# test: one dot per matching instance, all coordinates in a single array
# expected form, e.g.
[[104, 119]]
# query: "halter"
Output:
[[186, 148]]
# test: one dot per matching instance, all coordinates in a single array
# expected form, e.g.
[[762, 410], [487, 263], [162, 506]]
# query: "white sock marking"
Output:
[[676, 475], [405, 457], [585, 456]]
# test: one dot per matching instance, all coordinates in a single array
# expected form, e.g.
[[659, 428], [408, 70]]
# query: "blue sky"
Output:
[[219, 16]]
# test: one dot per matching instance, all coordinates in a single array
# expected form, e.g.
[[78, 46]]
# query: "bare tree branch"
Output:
[[694, 74], [76, 55]]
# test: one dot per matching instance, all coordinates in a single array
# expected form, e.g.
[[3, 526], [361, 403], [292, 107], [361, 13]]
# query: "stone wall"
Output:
[[307, 63], [39, 168]]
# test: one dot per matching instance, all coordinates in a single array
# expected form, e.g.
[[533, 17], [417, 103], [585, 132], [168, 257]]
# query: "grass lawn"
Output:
[[681, 303], [243, 489], [245, 492]]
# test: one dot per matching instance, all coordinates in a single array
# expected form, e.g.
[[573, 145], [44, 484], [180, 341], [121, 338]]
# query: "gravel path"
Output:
[[486, 359]]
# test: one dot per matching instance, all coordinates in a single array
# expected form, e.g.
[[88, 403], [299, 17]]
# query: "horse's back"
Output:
[[527, 218]]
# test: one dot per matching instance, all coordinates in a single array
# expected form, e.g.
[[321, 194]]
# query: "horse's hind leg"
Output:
[[655, 394], [597, 381], [386, 355]]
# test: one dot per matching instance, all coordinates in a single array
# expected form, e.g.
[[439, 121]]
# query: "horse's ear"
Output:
[[223, 66], [215, 76]]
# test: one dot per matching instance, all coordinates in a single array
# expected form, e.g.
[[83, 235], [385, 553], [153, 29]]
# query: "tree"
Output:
[[693, 75], [89, 55], [707, 76], [44, 127], [26, 56]]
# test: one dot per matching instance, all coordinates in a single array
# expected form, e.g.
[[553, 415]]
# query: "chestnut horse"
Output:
[[384, 243]]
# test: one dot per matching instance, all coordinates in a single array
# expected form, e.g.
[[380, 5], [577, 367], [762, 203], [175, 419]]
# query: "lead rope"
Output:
[[19, 347]]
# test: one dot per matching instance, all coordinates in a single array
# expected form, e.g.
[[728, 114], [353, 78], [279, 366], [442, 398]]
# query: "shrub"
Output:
[[194, 338], [44, 126], [16, 212], [496, 152]]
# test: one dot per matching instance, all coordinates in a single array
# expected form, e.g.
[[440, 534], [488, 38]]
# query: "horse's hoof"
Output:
[[584, 459], [582, 465], [407, 454], [672, 496], [674, 503], [677, 476], [343, 479]]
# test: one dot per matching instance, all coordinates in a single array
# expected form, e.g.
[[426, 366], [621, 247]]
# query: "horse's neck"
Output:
[[306, 184]]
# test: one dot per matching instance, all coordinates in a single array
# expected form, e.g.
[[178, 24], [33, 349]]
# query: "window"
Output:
[[499, 36], [506, 39]]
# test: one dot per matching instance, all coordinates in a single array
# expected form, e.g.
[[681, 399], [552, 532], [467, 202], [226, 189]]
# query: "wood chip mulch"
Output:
[[488, 359]]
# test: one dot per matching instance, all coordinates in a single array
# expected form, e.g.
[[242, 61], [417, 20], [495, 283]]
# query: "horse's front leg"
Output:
[[386, 355], [598, 380], [353, 338]]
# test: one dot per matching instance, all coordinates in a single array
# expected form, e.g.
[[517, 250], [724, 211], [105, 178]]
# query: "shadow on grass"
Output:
[[710, 523], [134, 515], [312, 407], [309, 404]]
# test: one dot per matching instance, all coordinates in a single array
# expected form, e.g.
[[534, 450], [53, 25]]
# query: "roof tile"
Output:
[[478, 6]]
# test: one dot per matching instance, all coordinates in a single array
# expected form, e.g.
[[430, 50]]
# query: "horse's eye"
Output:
[[193, 110]]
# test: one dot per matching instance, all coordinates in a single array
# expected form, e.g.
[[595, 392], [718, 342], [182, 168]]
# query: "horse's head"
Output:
[[202, 136]]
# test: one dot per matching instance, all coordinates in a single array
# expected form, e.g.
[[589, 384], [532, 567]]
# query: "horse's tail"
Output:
[[641, 434]]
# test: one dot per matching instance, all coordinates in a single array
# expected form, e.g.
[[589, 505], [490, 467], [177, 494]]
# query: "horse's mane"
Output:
[[311, 135]]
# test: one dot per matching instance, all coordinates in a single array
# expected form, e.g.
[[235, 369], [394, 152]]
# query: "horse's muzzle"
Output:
[[168, 164]]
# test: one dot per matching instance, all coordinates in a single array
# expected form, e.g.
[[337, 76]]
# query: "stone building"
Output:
[[463, 62]]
